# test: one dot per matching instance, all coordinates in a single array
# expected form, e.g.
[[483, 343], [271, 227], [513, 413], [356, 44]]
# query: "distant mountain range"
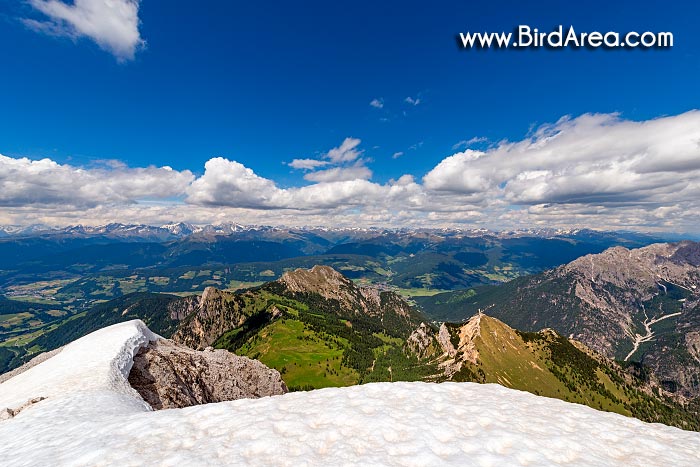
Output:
[[174, 230], [413, 259]]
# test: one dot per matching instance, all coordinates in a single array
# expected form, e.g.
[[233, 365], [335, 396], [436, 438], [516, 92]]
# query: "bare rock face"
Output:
[[206, 318], [640, 305], [445, 341], [168, 375], [420, 340], [466, 350], [332, 285]]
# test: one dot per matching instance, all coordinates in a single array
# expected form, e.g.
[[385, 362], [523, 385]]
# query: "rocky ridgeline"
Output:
[[642, 305], [639, 270], [332, 285], [204, 319]]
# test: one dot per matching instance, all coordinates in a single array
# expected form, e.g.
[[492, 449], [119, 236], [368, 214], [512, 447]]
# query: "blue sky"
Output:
[[262, 84]]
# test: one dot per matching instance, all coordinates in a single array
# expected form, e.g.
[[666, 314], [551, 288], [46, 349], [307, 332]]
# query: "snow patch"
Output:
[[91, 417], [97, 363]]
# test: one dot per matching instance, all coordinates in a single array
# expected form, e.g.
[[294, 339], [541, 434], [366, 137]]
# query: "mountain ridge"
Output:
[[640, 305]]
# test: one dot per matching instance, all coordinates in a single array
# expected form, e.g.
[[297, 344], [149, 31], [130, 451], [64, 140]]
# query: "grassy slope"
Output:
[[303, 356], [313, 347], [510, 360], [547, 364]]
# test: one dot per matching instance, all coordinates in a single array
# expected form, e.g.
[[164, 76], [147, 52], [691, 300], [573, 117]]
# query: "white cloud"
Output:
[[307, 164], [340, 159], [25, 182], [591, 171], [346, 152], [337, 174], [465, 143], [229, 183], [112, 24], [413, 100], [377, 103], [396, 155], [592, 159]]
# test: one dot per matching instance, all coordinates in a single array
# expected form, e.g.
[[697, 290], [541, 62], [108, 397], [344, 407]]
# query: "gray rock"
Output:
[[420, 340], [168, 375]]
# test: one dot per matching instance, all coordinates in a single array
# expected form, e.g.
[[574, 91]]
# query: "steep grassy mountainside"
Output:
[[315, 326], [633, 305], [545, 363]]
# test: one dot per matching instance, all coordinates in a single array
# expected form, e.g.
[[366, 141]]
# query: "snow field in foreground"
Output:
[[92, 417]]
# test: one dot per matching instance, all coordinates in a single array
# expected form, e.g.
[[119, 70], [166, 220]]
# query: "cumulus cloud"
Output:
[[229, 183], [25, 182], [396, 155], [413, 100], [591, 171], [595, 159], [377, 103], [112, 24]]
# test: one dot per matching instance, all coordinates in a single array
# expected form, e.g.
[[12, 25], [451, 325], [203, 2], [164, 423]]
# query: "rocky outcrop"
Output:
[[206, 318], [182, 308], [323, 280], [445, 341], [676, 263], [332, 285], [420, 341], [467, 335], [168, 375], [466, 350]]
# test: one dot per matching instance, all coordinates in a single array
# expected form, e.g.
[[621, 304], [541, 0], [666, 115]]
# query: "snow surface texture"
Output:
[[92, 417]]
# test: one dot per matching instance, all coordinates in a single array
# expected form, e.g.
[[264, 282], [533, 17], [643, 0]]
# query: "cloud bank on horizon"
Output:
[[595, 170], [112, 24]]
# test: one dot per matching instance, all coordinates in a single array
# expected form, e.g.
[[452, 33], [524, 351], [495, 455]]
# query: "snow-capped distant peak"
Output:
[[179, 228]]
